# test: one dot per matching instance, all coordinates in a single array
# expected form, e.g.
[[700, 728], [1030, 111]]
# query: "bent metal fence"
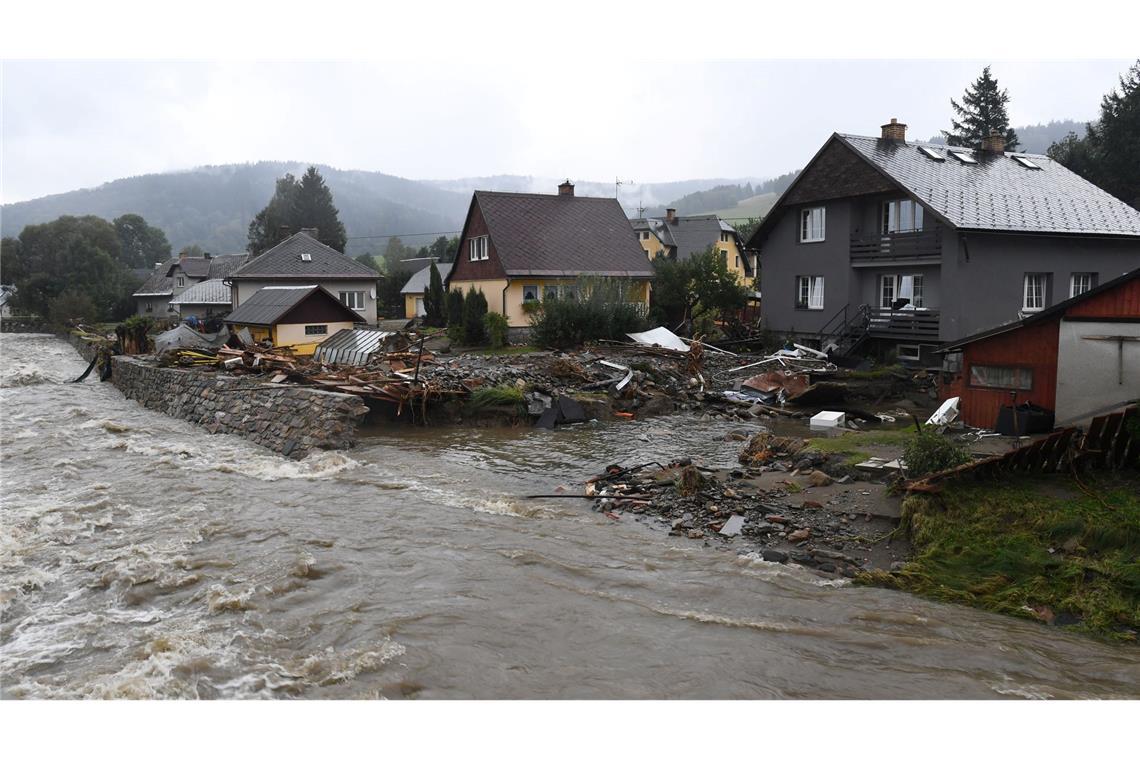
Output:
[[1111, 443]]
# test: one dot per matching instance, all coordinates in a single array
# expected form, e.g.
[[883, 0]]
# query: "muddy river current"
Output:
[[142, 558]]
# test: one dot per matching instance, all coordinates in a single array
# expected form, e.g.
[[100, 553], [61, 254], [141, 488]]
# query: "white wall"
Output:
[[1089, 372]]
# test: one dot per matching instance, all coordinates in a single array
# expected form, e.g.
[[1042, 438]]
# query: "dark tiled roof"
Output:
[[998, 193], [556, 234], [420, 280], [690, 234], [283, 261], [212, 268], [158, 284], [268, 305]]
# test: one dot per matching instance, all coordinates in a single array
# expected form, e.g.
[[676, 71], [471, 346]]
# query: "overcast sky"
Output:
[[72, 125]]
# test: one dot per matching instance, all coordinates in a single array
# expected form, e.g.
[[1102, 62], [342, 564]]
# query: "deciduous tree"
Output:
[[140, 244]]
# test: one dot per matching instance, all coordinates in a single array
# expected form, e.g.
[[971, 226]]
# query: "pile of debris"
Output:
[[777, 522]]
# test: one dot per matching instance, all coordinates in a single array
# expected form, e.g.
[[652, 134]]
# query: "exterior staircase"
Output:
[[847, 330]]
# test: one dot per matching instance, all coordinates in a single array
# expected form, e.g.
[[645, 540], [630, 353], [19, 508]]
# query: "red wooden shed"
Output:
[[1078, 358]]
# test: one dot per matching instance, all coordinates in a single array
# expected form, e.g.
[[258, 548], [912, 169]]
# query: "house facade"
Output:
[[169, 279], [299, 317], [522, 248], [1078, 358], [679, 237], [302, 260], [413, 290], [908, 245]]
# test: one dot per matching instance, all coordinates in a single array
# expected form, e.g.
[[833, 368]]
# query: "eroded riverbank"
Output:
[[143, 557]]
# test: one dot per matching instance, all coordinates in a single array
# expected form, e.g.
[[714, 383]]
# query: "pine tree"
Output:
[[434, 306], [982, 111], [455, 307], [277, 220], [1109, 153], [315, 208], [296, 205], [474, 307]]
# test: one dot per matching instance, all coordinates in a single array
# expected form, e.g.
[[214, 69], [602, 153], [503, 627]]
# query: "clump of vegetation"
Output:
[[496, 328], [454, 307], [699, 291], [856, 447], [497, 397], [435, 308], [928, 451], [474, 309], [1069, 555], [602, 308]]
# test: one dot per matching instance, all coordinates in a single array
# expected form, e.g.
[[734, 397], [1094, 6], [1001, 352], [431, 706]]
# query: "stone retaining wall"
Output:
[[85, 349], [289, 420]]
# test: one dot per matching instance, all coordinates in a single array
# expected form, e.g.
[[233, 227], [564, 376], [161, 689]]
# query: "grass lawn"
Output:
[[1036, 547], [858, 446]]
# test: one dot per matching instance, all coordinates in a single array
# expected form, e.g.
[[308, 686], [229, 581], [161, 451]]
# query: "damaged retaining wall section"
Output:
[[291, 421]]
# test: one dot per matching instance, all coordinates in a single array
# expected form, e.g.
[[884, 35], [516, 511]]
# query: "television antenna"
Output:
[[618, 183]]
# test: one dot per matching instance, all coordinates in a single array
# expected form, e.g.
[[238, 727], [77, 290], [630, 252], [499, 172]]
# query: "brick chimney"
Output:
[[671, 215], [895, 132], [994, 142], [566, 188]]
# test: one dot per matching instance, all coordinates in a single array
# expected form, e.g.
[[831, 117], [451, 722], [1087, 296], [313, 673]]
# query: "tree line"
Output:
[[81, 267]]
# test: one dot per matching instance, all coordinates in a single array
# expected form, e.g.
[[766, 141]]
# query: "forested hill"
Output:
[[1036, 138], [212, 206]]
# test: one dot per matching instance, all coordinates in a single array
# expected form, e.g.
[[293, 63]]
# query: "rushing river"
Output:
[[141, 557]]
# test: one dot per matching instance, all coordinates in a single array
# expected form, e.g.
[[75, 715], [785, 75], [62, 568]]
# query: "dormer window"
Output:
[[901, 216], [477, 248], [181, 281], [813, 224]]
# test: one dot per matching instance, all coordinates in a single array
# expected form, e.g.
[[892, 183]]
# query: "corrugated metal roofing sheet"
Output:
[[350, 346]]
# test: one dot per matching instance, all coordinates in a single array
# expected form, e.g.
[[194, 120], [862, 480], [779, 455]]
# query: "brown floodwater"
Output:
[[144, 558]]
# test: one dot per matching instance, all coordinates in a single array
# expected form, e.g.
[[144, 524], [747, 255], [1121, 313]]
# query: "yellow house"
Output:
[[413, 291], [295, 316], [680, 237], [522, 248]]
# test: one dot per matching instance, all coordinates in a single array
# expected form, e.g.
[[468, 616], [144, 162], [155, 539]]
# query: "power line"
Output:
[[403, 234]]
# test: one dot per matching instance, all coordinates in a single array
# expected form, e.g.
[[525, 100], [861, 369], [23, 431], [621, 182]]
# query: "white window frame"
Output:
[[477, 248], [1087, 278], [531, 289], [809, 226], [353, 299], [1039, 295], [909, 351], [809, 292], [900, 216], [917, 295], [181, 281]]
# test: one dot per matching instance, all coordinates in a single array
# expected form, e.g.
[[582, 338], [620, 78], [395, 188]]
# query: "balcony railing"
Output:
[[926, 244], [917, 324]]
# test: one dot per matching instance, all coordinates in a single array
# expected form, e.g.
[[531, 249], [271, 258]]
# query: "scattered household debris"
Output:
[[945, 414], [827, 419], [661, 337]]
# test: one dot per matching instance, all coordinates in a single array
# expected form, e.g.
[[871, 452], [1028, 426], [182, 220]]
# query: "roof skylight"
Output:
[[1024, 161], [965, 158], [931, 153], [306, 257]]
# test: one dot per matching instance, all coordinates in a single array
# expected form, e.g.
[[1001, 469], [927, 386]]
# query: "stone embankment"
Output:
[[289, 420]]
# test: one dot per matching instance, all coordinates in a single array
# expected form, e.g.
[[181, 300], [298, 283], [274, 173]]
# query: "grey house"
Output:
[[881, 243], [303, 260]]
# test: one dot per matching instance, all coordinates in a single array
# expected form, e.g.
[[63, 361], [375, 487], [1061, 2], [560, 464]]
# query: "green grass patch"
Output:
[[988, 546], [504, 351], [504, 397], [854, 446]]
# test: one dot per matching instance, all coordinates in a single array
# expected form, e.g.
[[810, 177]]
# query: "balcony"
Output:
[[905, 324], [925, 245]]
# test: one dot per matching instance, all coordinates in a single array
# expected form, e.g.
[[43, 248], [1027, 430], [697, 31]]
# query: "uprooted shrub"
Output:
[[928, 451], [597, 308], [497, 397]]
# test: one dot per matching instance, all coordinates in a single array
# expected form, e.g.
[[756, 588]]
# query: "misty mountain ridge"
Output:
[[212, 206]]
